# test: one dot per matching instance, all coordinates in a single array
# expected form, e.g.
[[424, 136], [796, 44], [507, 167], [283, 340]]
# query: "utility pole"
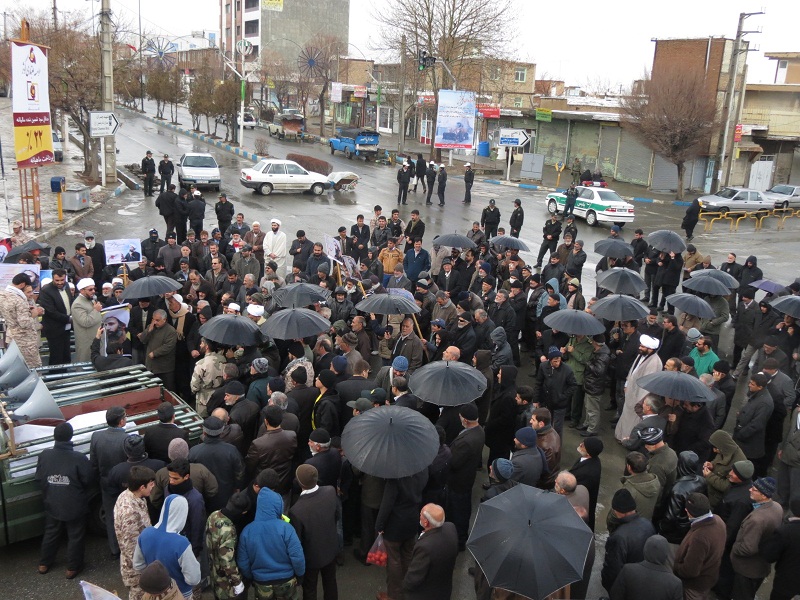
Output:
[[402, 139], [141, 60], [109, 149], [55, 16], [730, 93]]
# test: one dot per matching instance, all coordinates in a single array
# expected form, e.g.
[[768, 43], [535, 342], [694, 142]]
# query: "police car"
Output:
[[596, 205]]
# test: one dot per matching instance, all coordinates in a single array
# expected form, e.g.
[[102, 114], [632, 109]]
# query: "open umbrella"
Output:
[[666, 240], [676, 385], [447, 383], [613, 248], [788, 305], [300, 294], [706, 285], [621, 281], [28, 246], [693, 305], [390, 442], [724, 278], [529, 542], [231, 330], [454, 240], [574, 322], [506, 241], [618, 307], [147, 287], [769, 286], [294, 323], [387, 304]]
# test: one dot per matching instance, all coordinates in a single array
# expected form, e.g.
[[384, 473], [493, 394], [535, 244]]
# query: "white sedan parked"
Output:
[[282, 175]]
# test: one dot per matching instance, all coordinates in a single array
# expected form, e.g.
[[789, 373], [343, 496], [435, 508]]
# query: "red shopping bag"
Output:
[[377, 554]]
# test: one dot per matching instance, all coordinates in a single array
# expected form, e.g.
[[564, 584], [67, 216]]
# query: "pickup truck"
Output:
[[82, 400], [354, 141], [286, 125]]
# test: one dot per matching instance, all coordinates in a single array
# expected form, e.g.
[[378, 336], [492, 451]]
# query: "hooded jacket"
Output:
[[500, 426], [553, 284], [501, 351], [750, 274], [645, 489], [652, 578], [163, 542], [729, 453], [269, 549], [675, 523]]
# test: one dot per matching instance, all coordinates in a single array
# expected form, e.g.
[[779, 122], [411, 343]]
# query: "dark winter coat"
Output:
[[65, 477], [500, 426], [783, 548], [669, 271], [699, 556], [652, 578], [595, 375], [552, 228], [398, 516], [490, 216], [465, 458], [516, 220], [675, 523], [750, 273], [625, 546], [555, 387], [751, 424]]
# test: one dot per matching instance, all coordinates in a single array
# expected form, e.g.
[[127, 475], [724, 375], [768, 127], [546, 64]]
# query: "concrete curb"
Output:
[[530, 186]]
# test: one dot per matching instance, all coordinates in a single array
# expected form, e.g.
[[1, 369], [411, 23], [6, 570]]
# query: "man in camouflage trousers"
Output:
[[130, 519], [221, 539]]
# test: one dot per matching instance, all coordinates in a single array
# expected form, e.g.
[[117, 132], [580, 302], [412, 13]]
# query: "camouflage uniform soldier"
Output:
[[20, 317], [221, 538], [130, 519], [576, 171], [207, 375]]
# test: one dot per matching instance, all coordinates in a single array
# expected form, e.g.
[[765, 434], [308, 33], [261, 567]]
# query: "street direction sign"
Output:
[[513, 137], [102, 124]]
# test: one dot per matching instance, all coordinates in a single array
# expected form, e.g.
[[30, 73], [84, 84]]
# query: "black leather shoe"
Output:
[[587, 434]]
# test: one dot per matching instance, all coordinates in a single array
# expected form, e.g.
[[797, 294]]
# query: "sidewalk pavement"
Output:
[[70, 169]]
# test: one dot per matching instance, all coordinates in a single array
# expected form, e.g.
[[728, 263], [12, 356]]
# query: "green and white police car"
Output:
[[596, 205]]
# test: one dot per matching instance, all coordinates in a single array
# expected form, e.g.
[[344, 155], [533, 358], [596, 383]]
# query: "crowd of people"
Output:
[[268, 499]]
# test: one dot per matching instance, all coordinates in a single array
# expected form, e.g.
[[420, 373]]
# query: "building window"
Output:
[[228, 33], [238, 5], [520, 74], [495, 72], [782, 64], [250, 4], [517, 102], [228, 9], [251, 27], [238, 32]]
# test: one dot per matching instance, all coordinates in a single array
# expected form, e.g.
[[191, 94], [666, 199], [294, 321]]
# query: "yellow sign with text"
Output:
[[33, 145], [276, 5]]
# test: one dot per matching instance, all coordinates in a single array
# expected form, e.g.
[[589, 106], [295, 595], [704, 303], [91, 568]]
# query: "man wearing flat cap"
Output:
[[646, 362], [242, 411], [222, 459], [626, 543]]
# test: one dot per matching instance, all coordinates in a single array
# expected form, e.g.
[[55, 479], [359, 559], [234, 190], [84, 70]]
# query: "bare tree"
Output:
[[158, 88], [226, 104], [201, 96], [177, 93], [675, 117], [452, 30]]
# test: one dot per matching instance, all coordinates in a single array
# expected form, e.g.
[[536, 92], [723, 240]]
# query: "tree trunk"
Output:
[[681, 173], [322, 111]]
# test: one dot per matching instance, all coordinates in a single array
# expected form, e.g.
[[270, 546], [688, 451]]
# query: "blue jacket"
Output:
[[414, 265], [269, 549], [562, 302], [164, 543]]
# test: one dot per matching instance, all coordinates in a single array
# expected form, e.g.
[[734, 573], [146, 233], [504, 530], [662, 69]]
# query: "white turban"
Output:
[[234, 306], [648, 342], [256, 310], [277, 221], [84, 283]]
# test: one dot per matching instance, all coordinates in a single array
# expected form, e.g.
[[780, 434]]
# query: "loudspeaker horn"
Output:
[[13, 367], [24, 390], [40, 405]]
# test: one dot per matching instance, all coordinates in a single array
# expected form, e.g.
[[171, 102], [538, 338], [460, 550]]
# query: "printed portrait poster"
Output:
[[455, 120], [123, 251], [351, 267], [8, 271], [333, 248]]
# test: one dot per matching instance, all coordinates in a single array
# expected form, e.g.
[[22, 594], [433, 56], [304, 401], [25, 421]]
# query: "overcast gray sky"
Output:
[[574, 41]]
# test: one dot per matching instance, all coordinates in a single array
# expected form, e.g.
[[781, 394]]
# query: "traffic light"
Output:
[[424, 61]]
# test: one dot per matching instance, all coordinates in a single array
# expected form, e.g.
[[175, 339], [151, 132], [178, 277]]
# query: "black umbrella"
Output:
[[295, 323], [506, 241], [231, 330], [390, 442], [446, 383], [387, 304], [613, 248], [621, 281], [676, 385], [28, 246], [706, 285], [147, 287], [724, 278], [454, 240], [574, 322], [300, 294], [788, 305], [529, 542], [693, 305], [619, 308], [769, 286], [666, 240]]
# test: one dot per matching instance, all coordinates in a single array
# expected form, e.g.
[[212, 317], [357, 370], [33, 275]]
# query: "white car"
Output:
[[736, 199], [784, 195], [271, 175], [596, 205], [198, 169]]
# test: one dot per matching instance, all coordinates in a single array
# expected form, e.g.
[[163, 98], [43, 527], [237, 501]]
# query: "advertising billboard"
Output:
[[30, 105], [455, 120]]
